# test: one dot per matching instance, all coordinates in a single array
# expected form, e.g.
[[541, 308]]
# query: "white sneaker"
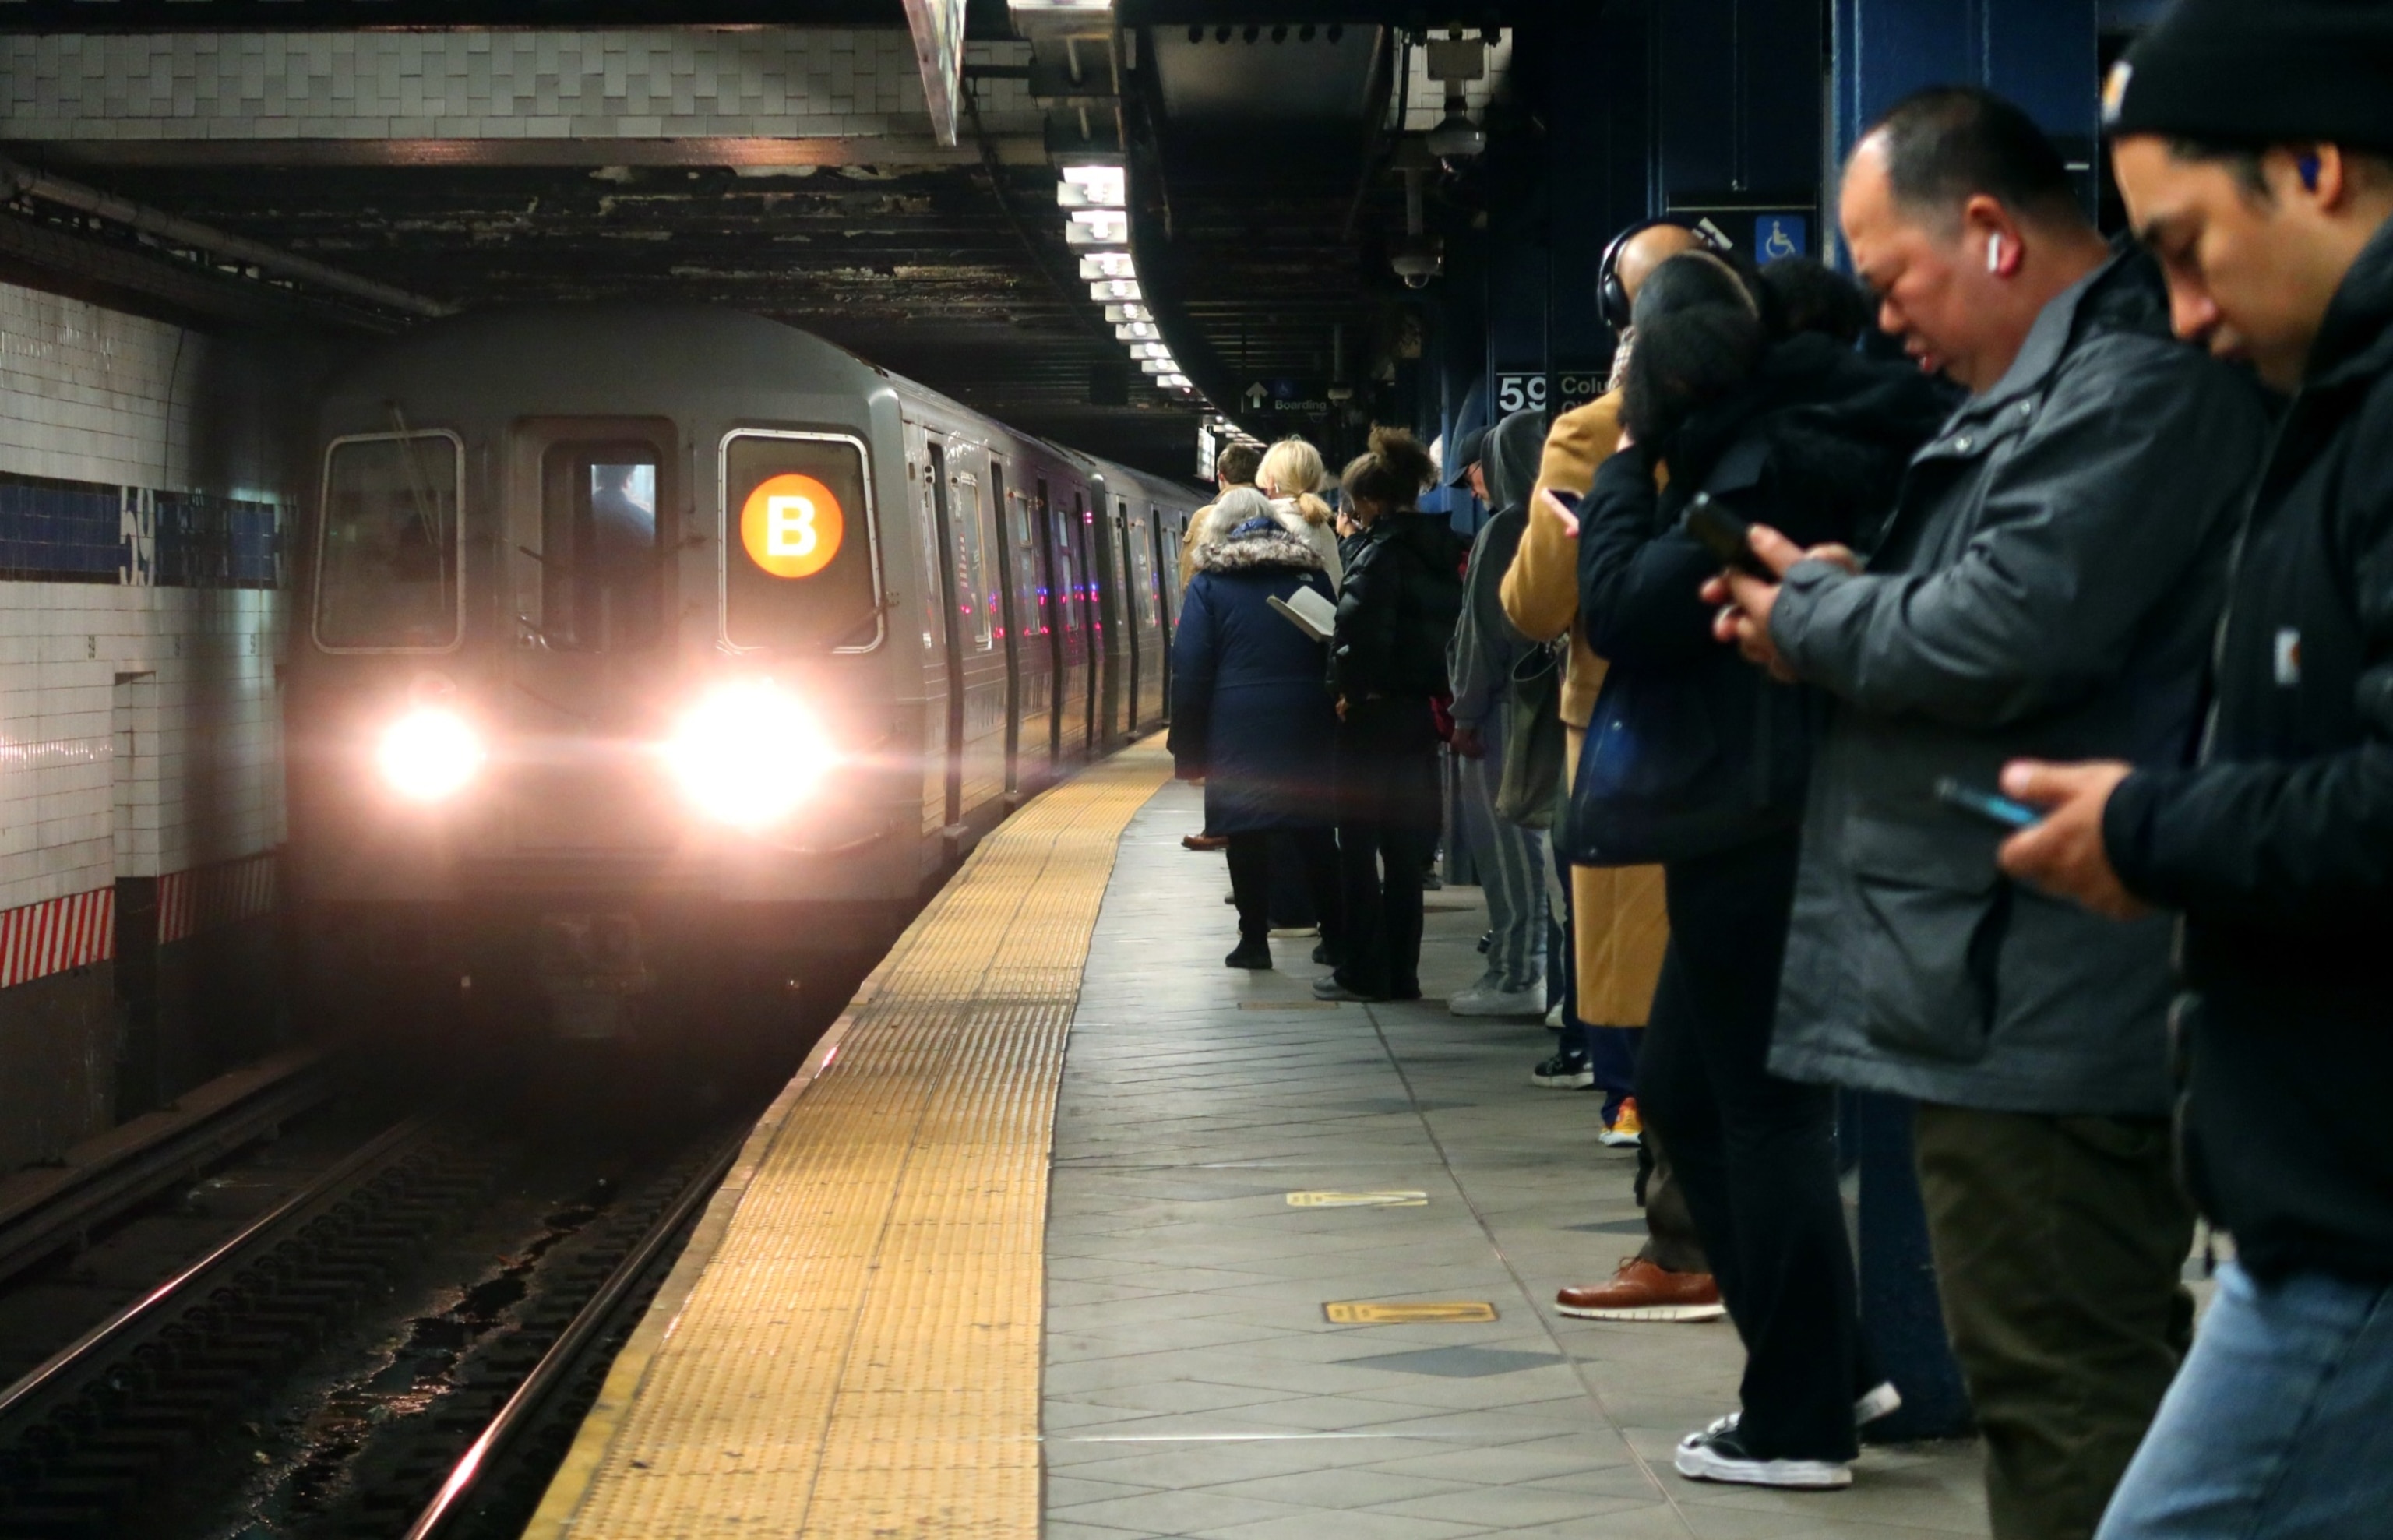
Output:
[[1489, 998], [1720, 1455], [1554, 1018]]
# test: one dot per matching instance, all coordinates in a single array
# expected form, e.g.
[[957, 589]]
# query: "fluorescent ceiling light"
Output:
[[1120, 313], [1100, 187], [1136, 330], [1108, 265], [1097, 228], [1116, 289]]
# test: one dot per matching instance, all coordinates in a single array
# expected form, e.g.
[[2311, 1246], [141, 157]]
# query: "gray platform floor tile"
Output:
[[1196, 1388]]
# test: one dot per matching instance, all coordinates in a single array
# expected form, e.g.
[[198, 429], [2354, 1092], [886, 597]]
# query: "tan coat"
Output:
[[1620, 924]]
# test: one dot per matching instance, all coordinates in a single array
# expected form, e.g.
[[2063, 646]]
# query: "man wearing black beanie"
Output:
[[2254, 148]]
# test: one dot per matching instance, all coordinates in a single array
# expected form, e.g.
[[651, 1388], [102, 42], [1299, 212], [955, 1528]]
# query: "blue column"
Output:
[[2041, 54]]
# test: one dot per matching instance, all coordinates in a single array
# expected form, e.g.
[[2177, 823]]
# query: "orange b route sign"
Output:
[[792, 526]]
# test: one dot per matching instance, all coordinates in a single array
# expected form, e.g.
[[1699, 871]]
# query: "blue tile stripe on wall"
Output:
[[54, 530]]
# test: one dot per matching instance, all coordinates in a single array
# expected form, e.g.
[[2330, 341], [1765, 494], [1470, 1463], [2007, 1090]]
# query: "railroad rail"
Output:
[[569, 1357], [45, 1210]]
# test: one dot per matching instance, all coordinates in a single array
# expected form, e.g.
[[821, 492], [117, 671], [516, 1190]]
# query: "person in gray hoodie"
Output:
[[1479, 662]]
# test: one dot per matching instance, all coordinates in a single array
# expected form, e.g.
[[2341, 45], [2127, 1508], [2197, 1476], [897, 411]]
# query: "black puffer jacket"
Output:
[[1397, 610], [1814, 445], [2278, 848]]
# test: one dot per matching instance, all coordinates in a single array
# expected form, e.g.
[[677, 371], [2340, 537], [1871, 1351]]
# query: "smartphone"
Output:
[[1566, 503], [1723, 534], [1990, 806]]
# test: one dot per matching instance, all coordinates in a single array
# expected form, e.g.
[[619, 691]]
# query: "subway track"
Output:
[[401, 1344]]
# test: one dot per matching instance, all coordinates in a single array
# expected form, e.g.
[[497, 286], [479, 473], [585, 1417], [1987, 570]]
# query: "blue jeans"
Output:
[[2277, 1426]]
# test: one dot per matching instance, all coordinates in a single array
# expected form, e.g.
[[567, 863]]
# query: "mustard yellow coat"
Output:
[[1620, 925]]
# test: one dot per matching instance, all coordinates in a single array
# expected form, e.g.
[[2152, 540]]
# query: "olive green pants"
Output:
[[2060, 1246]]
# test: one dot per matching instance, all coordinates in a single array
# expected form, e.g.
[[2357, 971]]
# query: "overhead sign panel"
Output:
[[938, 29]]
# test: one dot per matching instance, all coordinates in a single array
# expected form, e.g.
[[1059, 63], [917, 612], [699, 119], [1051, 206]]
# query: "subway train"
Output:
[[643, 650]]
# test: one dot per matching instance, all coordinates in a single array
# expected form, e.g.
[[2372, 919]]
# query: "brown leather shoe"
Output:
[[1206, 842], [1641, 1291]]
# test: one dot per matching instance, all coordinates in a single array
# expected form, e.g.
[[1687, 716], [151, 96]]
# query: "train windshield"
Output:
[[800, 568], [386, 571], [601, 568]]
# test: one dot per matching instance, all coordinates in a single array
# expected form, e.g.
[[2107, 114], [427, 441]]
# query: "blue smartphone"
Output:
[[1990, 806]]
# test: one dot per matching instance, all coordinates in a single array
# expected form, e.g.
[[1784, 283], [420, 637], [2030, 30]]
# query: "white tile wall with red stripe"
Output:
[[181, 770]]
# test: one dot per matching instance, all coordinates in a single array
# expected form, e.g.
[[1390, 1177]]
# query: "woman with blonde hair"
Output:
[[1292, 475]]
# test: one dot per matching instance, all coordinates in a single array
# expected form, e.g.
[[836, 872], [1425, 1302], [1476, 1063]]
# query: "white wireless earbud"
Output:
[[1994, 253]]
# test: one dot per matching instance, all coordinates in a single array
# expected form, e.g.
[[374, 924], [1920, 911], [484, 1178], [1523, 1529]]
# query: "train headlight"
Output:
[[747, 754], [428, 754]]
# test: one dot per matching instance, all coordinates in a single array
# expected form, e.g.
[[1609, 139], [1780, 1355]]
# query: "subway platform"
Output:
[[1067, 1229]]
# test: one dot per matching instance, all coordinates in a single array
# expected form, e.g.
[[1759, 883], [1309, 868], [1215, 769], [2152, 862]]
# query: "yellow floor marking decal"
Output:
[[1406, 1312], [851, 1346]]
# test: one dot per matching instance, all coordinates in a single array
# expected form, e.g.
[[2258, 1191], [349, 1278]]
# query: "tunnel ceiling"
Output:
[[1259, 174]]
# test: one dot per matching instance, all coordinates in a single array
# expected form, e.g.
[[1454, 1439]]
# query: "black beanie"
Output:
[[2254, 72]]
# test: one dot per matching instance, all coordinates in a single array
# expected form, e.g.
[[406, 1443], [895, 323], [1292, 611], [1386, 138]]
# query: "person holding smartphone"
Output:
[[1697, 762], [2048, 585], [2255, 150]]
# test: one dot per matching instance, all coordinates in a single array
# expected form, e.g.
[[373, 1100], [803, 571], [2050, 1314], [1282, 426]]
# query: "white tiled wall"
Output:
[[93, 394], [773, 82]]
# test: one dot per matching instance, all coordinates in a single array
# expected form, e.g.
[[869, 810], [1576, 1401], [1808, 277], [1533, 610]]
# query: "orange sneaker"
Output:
[[1625, 1131], [1641, 1291]]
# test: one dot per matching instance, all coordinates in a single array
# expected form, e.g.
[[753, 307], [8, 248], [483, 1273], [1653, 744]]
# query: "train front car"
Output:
[[594, 704]]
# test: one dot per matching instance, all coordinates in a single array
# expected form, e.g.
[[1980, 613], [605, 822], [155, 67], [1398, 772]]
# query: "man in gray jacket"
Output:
[[2046, 586]]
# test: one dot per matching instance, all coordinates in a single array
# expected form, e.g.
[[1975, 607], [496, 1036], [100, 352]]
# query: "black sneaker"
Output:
[[1330, 989], [1719, 1454], [1328, 956], [1565, 1072], [1254, 952]]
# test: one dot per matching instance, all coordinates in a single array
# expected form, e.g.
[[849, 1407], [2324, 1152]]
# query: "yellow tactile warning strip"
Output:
[[850, 1347]]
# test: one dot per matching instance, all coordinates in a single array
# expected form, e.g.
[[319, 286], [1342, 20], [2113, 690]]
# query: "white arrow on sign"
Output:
[[1257, 395]]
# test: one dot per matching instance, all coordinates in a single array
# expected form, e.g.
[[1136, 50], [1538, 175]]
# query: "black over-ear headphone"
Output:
[[1612, 300]]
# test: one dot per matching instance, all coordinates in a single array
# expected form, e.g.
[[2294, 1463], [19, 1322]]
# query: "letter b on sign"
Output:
[[792, 526]]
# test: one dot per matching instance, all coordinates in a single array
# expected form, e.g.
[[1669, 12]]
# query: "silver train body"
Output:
[[549, 542]]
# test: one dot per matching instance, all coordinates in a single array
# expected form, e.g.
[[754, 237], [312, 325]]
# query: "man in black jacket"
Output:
[[2254, 148]]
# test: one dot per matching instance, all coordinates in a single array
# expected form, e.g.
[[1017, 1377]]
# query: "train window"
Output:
[[601, 564], [386, 566], [801, 568]]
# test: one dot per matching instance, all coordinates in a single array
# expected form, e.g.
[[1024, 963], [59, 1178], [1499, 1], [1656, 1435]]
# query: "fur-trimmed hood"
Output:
[[1247, 549]]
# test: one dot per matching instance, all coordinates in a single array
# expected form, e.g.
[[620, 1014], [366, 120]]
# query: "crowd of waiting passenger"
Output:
[[2008, 728]]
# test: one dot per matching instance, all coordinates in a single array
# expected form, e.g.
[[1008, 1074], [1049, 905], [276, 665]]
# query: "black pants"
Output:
[[1389, 811], [1755, 1154], [1251, 873]]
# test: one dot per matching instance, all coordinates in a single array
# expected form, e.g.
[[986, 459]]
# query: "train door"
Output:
[[592, 521], [1088, 531], [1161, 583], [1125, 576], [1051, 627], [1010, 560], [979, 600], [952, 757]]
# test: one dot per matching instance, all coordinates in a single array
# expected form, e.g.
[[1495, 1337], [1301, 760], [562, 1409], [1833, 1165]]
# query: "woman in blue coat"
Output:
[[1249, 715]]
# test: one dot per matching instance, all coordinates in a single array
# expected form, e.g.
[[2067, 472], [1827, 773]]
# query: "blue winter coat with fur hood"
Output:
[[1247, 710]]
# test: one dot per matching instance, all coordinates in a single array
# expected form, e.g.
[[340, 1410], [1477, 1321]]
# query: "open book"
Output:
[[1308, 612]]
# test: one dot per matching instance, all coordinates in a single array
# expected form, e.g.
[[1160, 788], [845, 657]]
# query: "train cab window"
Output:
[[602, 563], [800, 547], [386, 575]]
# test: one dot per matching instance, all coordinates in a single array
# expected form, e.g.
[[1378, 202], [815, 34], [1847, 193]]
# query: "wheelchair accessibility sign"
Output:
[[1777, 235]]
